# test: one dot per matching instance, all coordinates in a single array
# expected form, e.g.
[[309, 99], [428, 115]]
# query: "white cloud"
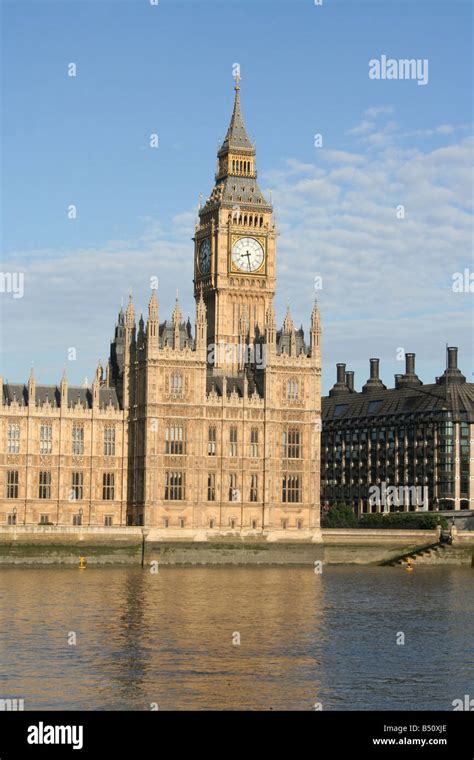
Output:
[[341, 156], [375, 111], [386, 281], [362, 128]]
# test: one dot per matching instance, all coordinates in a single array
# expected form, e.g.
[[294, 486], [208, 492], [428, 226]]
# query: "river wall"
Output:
[[46, 545]]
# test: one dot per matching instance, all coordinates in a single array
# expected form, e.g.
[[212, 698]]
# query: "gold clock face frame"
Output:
[[247, 255]]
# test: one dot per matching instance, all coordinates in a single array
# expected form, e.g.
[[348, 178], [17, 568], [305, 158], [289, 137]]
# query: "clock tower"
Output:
[[234, 253]]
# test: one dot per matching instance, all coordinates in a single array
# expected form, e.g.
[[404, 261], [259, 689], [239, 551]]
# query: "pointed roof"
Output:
[[315, 320], [270, 315], [176, 316], [130, 312], [237, 137], [201, 307], [153, 305], [288, 325]]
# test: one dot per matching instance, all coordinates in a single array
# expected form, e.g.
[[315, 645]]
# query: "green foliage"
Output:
[[339, 516], [408, 520], [343, 516]]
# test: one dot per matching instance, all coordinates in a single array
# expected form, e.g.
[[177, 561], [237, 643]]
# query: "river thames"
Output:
[[170, 640]]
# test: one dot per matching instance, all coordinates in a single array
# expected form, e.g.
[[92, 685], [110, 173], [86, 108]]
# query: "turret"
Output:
[[289, 331], [152, 327], [176, 320], [315, 332], [130, 314], [141, 338], [108, 375], [96, 383], [129, 338], [201, 326], [32, 388], [243, 336], [270, 329], [116, 359], [63, 386]]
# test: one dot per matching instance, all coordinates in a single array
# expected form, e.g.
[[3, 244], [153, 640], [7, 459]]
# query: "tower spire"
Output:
[[236, 137]]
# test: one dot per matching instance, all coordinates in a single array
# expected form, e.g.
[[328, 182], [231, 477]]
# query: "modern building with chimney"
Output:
[[418, 439], [189, 432]]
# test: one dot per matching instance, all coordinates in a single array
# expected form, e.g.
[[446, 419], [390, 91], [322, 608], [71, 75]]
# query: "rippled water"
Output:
[[304, 638]]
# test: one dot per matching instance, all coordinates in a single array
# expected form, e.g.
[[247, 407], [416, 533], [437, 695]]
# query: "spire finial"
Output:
[[237, 79], [176, 316]]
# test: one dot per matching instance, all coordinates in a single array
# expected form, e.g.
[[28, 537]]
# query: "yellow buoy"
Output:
[[82, 563], [409, 565]]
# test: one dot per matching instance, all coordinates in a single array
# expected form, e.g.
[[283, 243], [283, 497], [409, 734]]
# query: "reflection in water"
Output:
[[304, 638]]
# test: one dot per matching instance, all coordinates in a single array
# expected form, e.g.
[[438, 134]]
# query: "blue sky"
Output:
[[168, 69]]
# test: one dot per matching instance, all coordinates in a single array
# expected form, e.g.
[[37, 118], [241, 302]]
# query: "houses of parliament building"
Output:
[[190, 431]]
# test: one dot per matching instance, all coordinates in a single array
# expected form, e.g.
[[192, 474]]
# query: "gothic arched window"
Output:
[[176, 382], [292, 390]]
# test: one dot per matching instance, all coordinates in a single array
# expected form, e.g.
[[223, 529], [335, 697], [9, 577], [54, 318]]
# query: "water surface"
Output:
[[169, 638]]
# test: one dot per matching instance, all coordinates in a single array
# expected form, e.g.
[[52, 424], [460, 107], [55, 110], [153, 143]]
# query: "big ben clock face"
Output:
[[205, 256], [247, 254]]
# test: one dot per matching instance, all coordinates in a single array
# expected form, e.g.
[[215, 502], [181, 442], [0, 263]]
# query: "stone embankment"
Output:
[[46, 545]]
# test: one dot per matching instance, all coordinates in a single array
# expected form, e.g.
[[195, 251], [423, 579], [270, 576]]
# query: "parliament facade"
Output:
[[195, 432]]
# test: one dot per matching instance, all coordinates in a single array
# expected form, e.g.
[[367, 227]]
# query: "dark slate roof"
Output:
[[232, 191], [283, 342], [237, 137], [51, 393], [397, 401], [15, 392], [108, 395], [167, 334]]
